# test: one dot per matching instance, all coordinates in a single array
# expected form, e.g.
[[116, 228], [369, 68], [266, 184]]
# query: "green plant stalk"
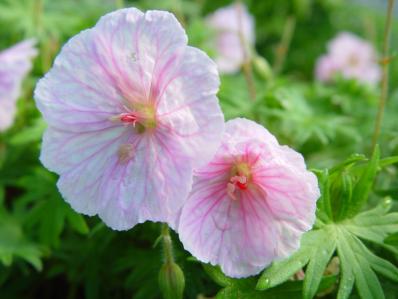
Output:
[[178, 12], [38, 8], [385, 74], [119, 4], [167, 244], [247, 66], [284, 45]]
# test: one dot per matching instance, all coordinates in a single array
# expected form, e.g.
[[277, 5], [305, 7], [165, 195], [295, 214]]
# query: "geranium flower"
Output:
[[351, 57], [15, 63], [251, 204], [131, 111], [234, 29]]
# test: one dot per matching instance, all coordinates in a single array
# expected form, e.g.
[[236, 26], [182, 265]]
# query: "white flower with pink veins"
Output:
[[131, 111], [15, 63], [234, 29], [351, 57], [251, 204]]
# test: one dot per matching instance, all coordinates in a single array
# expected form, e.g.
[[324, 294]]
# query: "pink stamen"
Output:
[[240, 181], [236, 181], [128, 118]]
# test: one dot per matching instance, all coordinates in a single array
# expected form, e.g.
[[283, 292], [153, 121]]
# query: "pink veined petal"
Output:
[[350, 56], [234, 29], [129, 60], [263, 221], [153, 186], [326, 68], [189, 109], [81, 160], [15, 63]]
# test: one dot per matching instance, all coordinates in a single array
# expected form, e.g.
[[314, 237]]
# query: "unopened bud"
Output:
[[262, 67], [171, 281]]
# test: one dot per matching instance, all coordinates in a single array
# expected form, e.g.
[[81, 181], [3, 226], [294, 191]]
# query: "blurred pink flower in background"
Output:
[[15, 63], [234, 29], [251, 204], [131, 111], [351, 57]]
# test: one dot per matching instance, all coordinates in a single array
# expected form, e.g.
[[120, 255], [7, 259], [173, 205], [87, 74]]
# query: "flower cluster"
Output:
[[136, 133], [15, 63], [350, 57]]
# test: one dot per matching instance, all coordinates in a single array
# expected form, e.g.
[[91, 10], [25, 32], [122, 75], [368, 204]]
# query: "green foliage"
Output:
[[49, 251], [13, 242], [358, 264], [245, 288], [341, 225]]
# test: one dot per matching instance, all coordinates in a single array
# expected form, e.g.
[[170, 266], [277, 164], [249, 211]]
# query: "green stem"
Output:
[[178, 12], [385, 74], [167, 244], [38, 15], [119, 4], [283, 47], [247, 66]]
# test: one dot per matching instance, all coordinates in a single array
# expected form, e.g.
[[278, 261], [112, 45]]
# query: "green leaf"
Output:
[[244, 289], [364, 185], [392, 239], [318, 262], [341, 193], [2, 195], [346, 277], [380, 265], [324, 206], [77, 222], [281, 271], [30, 134], [217, 275], [13, 242], [388, 161], [42, 194], [366, 281], [374, 225], [354, 158]]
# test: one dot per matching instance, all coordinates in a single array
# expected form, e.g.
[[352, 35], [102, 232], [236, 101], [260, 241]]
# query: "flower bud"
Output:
[[262, 67], [171, 281]]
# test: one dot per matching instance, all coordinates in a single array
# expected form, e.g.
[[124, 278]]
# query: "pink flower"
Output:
[[234, 28], [351, 57], [15, 63], [131, 111], [251, 204]]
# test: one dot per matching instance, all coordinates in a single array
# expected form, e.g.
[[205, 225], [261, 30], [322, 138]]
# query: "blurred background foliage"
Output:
[[49, 251]]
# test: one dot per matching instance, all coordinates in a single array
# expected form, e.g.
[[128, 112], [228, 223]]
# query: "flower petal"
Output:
[[152, 186], [124, 174], [189, 109], [264, 222], [15, 64]]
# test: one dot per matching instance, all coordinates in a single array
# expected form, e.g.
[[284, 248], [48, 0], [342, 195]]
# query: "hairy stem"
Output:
[[119, 4], [283, 47], [167, 244], [38, 7], [385, 74], [247, 66], [177, 9]]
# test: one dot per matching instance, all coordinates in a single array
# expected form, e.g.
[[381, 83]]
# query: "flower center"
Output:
[[142, 117], [353, 60], [239, 180], [128, 118]]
